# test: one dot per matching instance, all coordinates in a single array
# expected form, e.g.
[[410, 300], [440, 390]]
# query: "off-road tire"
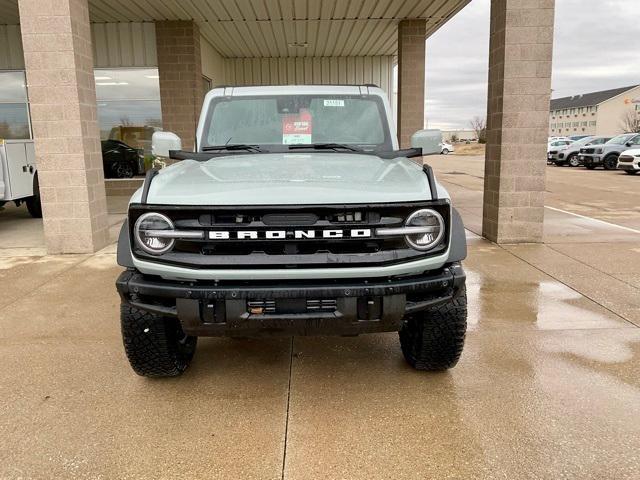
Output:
[[155, 346], [34, 204], [433, 339], [573, 160], [610, 162]]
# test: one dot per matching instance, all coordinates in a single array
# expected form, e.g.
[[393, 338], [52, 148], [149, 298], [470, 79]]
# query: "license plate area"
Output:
[[289, 306]]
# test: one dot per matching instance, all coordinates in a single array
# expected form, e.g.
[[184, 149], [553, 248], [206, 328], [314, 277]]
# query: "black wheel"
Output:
[[433, 339], [631, 172], [445, 151], [123, 170], [155, 346], [573, 160], [590, 167], [610, 162], [34, 205]]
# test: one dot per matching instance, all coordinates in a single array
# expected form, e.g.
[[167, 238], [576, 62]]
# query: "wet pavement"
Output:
[[548, 386]]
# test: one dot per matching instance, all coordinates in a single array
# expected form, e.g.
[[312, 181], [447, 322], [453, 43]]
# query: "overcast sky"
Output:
[[596, 47]]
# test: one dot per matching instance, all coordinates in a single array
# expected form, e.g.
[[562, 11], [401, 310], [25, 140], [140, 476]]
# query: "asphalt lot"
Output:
[[548, 386]]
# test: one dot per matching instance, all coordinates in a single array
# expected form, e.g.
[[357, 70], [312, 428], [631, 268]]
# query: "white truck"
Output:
[[297, 214], [19, 175]]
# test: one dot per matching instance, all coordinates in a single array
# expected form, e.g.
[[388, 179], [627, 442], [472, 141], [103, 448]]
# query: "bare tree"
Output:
[[629, 122], [479, 126]]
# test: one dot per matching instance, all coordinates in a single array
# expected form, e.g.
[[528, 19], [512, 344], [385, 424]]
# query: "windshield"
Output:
[[622, 139], [298, 119]]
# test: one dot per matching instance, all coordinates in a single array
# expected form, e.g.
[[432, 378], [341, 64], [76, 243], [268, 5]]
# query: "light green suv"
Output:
[[296, 214]]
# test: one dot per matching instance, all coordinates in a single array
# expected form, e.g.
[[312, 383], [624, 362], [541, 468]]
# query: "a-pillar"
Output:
[[521, 46], [56, 38]]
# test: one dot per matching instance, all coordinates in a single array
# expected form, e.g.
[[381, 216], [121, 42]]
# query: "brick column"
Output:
[[180, 69], [521, 45], [56, 38], [411, 59]]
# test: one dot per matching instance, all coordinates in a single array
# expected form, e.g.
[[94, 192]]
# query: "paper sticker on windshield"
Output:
[[334, 103], [297, 128]]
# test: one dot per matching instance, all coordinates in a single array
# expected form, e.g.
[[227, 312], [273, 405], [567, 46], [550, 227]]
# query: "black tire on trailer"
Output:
[[156, 346], [34, 204], [433, 339]]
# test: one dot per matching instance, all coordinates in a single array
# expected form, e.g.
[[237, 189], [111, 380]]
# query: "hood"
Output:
[[289, 179]]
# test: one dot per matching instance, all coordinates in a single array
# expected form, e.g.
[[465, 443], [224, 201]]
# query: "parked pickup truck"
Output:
[[606, 155], [296, 215]]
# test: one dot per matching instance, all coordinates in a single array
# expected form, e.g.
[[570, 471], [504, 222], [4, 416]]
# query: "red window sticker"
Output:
[[297, 127]]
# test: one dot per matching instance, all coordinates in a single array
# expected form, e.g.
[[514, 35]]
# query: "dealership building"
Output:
[[73, 72], [606, 113]]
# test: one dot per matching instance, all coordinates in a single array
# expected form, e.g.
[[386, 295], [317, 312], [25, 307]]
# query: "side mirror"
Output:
[[628, 144], [429, 141], [162, 142]]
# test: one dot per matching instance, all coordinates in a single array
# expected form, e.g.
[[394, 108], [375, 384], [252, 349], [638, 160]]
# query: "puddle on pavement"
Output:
[[543, 305]]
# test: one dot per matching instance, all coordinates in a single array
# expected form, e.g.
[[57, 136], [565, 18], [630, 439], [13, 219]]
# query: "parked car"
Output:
[[607, 154], [578, 137], [446, 148], [308, 223], [570, 154], [629, 161], [119, 160], [553, 148]]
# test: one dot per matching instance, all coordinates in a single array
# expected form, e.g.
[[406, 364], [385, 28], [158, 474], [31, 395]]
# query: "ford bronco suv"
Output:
[[296, 214]]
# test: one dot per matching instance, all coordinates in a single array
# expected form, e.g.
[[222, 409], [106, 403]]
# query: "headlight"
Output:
[[148, 233], [429, 226]]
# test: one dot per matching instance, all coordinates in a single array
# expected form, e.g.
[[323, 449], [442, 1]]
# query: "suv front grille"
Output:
[[291, 250]]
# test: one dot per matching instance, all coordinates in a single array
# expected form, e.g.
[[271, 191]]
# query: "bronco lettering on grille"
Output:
[[284, 234]]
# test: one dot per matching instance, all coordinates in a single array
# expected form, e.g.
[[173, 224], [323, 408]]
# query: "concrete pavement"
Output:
[[548, 385]]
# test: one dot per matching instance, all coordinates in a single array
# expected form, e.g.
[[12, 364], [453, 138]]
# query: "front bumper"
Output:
[[342, 307], [629, 166], [588, 159]]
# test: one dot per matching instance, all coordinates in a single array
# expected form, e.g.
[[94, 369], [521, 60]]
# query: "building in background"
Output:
[[606, 113], [75, 72]]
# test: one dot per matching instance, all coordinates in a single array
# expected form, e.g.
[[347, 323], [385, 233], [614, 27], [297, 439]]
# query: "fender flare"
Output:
[[123, 256], [458, 249]]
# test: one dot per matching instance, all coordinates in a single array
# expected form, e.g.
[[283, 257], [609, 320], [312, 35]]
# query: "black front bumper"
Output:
[[345, 307]]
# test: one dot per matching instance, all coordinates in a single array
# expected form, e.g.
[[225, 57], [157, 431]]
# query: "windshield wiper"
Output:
[[324, 146], [232, 147]]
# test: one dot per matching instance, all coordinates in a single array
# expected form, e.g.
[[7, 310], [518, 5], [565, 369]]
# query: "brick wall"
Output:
[[411, 63], [56, 38], [180, 70], [521, 44]]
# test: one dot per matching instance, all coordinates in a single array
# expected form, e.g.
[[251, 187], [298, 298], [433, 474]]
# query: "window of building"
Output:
[[206, 85], [576, 124], [129, 106], [592, 124], [14, 106], [584, 124]]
